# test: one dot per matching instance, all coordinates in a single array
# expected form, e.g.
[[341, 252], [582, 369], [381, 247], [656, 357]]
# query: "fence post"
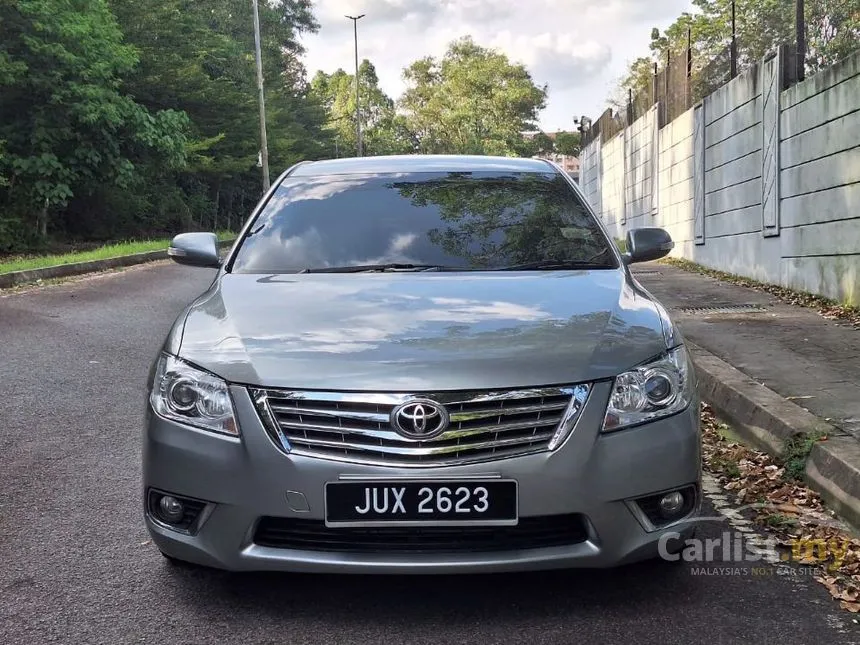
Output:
[[654, 89], [800, 26], [734, 48], [771, 84], [630, 116], [699, 174], [689, 68], [667, 73]]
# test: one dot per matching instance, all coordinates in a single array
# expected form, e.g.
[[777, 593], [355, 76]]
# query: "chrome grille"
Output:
[[357, 427]]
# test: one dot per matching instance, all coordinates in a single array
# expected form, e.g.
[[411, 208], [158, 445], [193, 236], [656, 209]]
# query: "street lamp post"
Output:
[[264, 145], [355, 20]]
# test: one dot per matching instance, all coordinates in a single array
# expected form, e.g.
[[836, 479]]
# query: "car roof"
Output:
[[420, 163]]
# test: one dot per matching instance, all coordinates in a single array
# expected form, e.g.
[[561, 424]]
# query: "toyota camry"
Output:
[[421, 364]]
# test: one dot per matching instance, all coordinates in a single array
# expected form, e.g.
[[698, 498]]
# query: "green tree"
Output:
[[833, 32], [473, 100], [542, 144], [67, 126], [568, 143], [382, 129], [199, 57]]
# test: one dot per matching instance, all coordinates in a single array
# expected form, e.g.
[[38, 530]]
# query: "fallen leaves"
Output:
[[829, 309], [808, 532]]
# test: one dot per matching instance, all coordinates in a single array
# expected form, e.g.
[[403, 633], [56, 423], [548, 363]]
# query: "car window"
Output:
[[471, 220]]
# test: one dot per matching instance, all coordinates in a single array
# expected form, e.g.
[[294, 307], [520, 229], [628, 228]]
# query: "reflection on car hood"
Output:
[[421, 331]]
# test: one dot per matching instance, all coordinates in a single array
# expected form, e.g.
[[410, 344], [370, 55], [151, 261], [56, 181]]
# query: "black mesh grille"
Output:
[[313, 535]]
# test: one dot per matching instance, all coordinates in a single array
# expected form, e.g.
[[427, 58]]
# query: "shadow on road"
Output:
[[493, 597]]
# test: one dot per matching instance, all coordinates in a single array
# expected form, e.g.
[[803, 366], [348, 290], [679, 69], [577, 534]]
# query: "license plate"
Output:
[[491, 502]]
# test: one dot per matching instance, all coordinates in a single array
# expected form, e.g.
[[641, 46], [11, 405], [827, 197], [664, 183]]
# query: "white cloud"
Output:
[[578, 47]]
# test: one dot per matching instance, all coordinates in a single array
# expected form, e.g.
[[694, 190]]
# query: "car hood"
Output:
[[420, 331]]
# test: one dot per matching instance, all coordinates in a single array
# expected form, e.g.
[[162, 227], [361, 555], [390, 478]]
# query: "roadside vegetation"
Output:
[[122, 119], [24, 263], [783, 506]]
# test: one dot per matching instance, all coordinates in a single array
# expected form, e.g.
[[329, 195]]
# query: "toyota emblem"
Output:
[[419, 419]]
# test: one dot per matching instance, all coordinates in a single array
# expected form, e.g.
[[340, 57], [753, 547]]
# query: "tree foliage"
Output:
[[126, 118], [832, 33], [67, 126], [568, 143], [122, 118], [473, 100], [383, 130]]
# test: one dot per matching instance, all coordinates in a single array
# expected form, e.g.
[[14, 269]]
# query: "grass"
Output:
[[727, 467], [796, 453], [779, 520], [24, 263]]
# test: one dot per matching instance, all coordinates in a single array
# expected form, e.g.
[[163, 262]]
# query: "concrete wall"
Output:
[[755, 181], [612, 184], [589, 173], [675, 186]]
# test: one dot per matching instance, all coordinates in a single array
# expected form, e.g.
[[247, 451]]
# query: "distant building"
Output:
[[568, 163]]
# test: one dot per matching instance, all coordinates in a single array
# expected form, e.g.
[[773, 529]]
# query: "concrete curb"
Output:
[[833, 470], [16, 278], [767, 420]]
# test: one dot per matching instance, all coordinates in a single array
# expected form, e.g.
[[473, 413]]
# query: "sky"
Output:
[[579, 48]]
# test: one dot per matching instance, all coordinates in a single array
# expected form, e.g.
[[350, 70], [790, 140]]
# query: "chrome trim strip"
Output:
[[392, 399], [364, 477], [378, 417], [483, 413], [402, 463], [571, 416], [269, 421], [375, 417], [421, 451], [392, 436]]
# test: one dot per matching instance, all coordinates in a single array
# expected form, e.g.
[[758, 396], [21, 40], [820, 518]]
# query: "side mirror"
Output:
[[646, 244], [195, 249]]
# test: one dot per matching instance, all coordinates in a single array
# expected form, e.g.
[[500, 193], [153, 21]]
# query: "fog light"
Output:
[[171, 509], [671, 503]]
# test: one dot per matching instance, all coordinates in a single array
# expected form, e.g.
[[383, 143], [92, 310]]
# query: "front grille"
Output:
[[313, 535], [357, 426]]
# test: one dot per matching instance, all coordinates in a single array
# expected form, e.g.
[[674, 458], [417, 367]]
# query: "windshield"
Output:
[[469, 221]]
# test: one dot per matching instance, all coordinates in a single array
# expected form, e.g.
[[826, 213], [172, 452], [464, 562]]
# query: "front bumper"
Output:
[[593, 475]]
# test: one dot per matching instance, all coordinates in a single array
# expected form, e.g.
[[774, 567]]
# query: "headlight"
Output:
[[650, 391], [191, 396]]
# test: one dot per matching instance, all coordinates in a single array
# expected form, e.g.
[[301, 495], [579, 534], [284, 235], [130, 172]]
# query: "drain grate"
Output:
[[725, 309], [648, 272]]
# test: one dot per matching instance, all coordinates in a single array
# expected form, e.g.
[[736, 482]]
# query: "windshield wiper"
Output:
[[391, 266], [550, 265]]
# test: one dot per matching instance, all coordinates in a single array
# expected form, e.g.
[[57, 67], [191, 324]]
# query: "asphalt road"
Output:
[[75, 565]]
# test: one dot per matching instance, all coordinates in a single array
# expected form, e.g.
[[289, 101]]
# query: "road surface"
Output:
[[76, 566]]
